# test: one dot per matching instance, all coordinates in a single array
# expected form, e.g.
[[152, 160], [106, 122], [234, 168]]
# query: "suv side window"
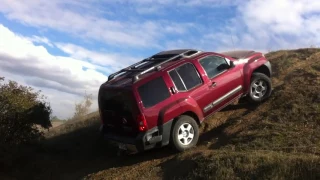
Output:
[[214, 65], [153, 92], [177, 80], [185, 77]]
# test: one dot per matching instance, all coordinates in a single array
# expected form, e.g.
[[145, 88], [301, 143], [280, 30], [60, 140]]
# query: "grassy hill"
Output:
[[278, 139]]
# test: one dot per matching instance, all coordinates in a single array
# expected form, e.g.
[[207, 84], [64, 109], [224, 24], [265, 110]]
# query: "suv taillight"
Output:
[[142, 122]]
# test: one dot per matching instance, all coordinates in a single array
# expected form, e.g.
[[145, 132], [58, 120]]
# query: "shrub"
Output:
[[21, 110], [82, 108]]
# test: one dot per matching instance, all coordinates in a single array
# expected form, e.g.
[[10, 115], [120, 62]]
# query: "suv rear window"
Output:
[[153, 92]]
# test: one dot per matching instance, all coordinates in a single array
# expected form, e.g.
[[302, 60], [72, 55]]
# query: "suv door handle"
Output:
[[213, 84], [173, 90]]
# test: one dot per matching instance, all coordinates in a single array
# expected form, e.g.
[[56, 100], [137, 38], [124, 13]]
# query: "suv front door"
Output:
[[224, 82]]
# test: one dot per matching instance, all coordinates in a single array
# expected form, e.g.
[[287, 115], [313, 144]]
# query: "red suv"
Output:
[[163, 99]]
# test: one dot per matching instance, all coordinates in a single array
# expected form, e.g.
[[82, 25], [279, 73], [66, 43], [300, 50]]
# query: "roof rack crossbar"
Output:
[[136, 77], [155, 59], [129, 68], [143, 71]]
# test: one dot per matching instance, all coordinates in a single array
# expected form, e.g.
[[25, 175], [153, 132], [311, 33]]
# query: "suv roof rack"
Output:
[[161, 58]]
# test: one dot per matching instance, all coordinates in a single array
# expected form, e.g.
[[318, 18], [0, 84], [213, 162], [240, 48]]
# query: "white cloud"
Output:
[[282, 23], [259, 25], [184, 3], [262, 26], [113, 60], [68, 16], [55, 15], [271, 25], [43, 40], [209, 3], [280, 16], [29, 64]]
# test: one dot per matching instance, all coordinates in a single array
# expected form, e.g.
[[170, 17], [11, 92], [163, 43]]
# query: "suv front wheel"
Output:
[[185, 133], [260, 88]]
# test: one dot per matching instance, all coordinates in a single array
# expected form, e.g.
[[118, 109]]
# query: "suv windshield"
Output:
[[153, 92]]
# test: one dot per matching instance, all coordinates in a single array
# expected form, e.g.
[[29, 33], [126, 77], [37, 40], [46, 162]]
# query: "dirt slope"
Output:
[[278, 139]]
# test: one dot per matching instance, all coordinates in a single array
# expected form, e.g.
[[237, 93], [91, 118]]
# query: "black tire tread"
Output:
[[255, 76], [174, 141]]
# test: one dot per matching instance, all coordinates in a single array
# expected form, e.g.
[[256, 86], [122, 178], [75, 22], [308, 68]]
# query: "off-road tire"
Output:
[[177, 137], [258, 82]]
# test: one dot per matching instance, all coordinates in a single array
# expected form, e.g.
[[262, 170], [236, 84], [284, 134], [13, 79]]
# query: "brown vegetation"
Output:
[[82, 108], [278, 139]]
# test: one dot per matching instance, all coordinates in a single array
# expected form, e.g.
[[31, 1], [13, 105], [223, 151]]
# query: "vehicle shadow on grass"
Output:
[[218, 135], [85, 152], [75, 154], [80, 151], [176, 168]]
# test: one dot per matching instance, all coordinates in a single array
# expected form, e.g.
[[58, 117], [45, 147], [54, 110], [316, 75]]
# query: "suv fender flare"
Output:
[[190, 105], [249, 69], [165, 128]]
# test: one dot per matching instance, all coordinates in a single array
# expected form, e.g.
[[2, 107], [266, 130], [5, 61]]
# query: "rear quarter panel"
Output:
[[162, 112]]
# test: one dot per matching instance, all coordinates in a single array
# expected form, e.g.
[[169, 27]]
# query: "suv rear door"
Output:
[[190, 86], [118, 109]]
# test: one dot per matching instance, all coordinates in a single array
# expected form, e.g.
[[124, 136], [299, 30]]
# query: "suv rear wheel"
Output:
[[185, 133], [260, 88]]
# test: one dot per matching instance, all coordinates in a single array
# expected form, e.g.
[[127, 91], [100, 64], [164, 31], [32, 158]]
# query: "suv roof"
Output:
[[131, 74]]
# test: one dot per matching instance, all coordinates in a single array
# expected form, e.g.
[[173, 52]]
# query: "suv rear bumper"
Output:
[[155, 137]]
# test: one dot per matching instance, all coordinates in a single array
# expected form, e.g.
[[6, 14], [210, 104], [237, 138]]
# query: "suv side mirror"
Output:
[[232, 64], [223, 67]]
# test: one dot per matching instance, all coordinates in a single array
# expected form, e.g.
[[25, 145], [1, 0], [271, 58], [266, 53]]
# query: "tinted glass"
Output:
[[189, 75], [213, 65], [177, 80], [153, 92], [117, 100]]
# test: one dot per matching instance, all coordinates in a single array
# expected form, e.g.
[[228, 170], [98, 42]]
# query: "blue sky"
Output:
[[66, 47]]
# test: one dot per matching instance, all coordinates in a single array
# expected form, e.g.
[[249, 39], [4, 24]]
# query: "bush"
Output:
[[21, 111], [82, 108]]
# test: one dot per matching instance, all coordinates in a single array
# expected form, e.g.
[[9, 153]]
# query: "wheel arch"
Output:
[[187, 113], [250, 69], [193, 115], [264, 69]]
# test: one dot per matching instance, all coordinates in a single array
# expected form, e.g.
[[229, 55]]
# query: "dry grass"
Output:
[[246, 165], [278, 139]]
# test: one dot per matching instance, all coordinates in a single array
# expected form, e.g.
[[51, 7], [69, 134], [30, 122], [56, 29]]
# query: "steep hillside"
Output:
[[278, 139]]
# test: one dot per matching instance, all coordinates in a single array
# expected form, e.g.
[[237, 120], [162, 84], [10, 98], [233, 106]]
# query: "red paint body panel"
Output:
[[229, 85]]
